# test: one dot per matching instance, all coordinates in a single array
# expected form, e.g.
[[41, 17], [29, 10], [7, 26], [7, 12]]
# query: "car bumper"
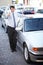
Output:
[[36, 58]]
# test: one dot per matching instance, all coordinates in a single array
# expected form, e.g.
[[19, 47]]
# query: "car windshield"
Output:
[[33, 24], [40, 11]]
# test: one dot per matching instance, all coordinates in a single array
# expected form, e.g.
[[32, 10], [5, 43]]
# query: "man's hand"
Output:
[[9, 14]]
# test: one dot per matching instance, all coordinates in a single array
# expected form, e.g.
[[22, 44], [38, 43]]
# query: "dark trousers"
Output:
[[12, 33]]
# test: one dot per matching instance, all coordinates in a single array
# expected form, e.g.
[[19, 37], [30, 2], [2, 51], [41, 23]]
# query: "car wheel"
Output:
[[26, 54]]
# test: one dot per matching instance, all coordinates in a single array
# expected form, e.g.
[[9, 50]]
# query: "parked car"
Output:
[[2, 9], [40, 11], [19, 9], [30, 38], [4, 23], [7, 9], [1, 12], [4, 18], [29, 10]]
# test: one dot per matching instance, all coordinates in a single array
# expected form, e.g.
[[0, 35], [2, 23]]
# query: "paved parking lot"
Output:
[[6, 56]]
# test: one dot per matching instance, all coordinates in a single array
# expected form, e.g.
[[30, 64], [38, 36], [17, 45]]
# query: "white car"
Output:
[[6, 10], [4, 22], [30, 8], [40, 11], [19, 9], [30, 38], [4, 18]]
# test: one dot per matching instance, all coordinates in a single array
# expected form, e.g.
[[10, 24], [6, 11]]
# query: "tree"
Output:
[[16, 1]]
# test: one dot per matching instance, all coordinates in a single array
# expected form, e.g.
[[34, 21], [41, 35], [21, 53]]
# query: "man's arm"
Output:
[[17, 19]]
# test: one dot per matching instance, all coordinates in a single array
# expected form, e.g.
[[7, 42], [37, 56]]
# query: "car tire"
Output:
[[26, 54]]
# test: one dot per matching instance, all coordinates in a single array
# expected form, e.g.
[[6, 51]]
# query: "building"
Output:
[[5, 2], [20, 1], [26, 2], [36, 3]]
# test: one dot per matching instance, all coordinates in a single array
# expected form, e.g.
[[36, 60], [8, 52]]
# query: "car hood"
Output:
[[38, 15], [35, 38]]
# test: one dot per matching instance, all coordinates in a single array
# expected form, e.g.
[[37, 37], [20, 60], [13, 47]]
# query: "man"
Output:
[[12, 19]]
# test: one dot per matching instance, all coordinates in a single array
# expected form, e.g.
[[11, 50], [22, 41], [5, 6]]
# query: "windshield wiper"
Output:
[[30, 30], [33, 30]]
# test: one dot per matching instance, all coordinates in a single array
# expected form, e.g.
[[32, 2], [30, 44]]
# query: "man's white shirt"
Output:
[[10, 21]]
